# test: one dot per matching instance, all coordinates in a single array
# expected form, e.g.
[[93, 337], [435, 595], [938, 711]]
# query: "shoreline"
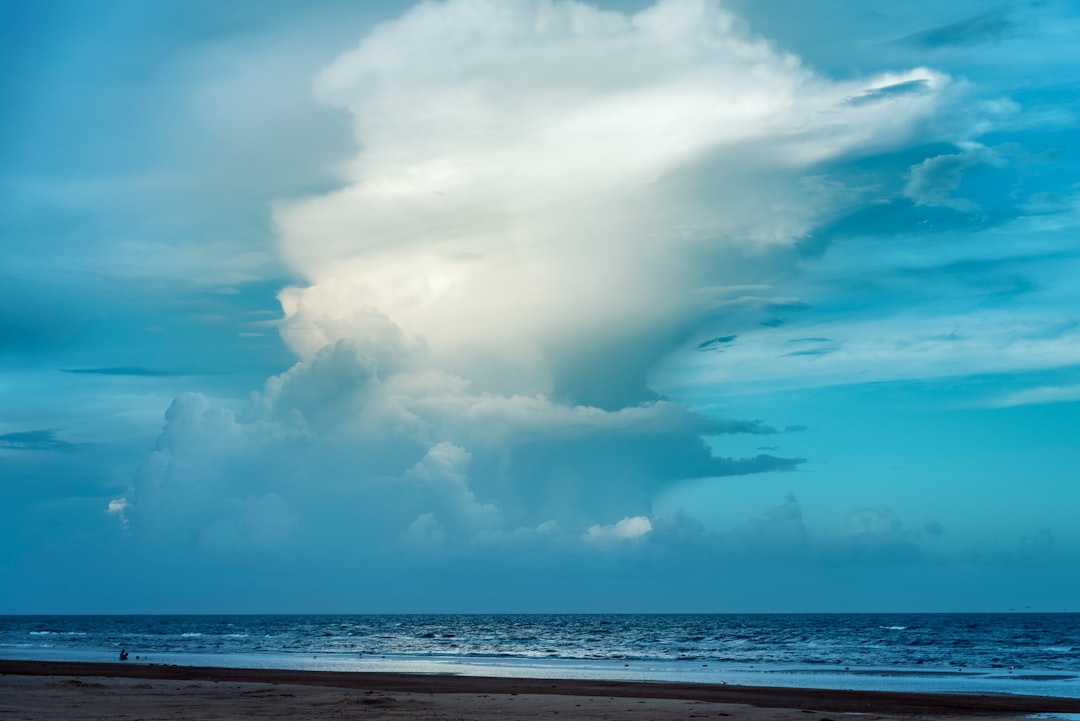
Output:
[[22, 677]]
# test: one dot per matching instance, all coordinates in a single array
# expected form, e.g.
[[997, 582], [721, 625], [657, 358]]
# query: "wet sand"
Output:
[[40, 691]]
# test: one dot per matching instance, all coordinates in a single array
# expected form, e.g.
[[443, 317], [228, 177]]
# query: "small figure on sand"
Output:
[[123, 654]]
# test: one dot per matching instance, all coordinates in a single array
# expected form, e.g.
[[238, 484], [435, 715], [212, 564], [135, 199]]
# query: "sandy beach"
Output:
[[46, 691]]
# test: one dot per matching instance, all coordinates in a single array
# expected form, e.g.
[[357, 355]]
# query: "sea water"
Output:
[[1027, 653]]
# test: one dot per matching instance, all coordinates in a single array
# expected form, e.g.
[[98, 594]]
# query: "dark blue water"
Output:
[[1009, 652]]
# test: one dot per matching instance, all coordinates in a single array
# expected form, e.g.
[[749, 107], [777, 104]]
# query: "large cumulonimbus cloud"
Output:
[[539, 182], [545, 199]]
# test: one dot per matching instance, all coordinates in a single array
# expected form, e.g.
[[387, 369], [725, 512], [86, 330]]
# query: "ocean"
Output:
[[1023, 653]]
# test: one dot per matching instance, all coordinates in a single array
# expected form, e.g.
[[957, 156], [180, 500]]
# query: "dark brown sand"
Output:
[[40, 691]]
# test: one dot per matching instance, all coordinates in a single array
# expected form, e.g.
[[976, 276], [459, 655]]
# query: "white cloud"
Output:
[[934, 181], [442, 476], [425, 530], [213, 477], [118, 507], [1037, 396], [628, 529], [530, 177], [900, 346], [547, 198]]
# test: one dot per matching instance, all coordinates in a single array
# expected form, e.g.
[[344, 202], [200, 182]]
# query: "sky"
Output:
[[539, 306]]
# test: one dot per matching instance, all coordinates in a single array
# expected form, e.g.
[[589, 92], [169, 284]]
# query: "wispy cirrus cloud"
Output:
[[125, 371], [985, 27], [1036, 396], [37, 440]]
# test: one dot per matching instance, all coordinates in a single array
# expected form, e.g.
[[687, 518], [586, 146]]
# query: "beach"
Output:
[[52, 691]]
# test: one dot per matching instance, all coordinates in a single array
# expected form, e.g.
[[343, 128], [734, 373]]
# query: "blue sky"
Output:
[[487, 305]]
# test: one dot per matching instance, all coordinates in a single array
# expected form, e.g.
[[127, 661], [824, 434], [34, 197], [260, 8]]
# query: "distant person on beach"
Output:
[[123, 654]]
